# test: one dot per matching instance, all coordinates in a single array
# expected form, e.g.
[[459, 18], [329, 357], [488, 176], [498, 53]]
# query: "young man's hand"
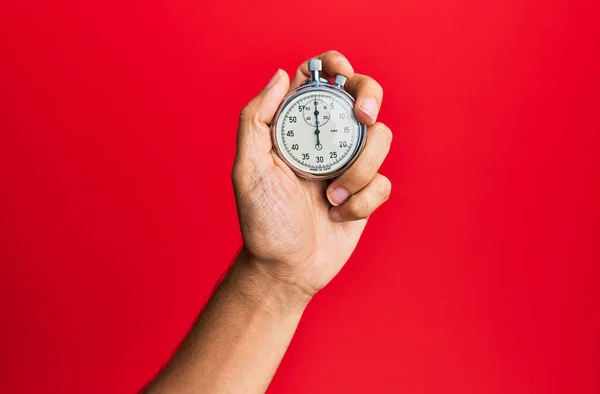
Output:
[[297, 235], [301, 231]]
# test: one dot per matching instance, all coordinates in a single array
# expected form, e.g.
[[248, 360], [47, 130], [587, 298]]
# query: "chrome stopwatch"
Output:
[[315, 130]]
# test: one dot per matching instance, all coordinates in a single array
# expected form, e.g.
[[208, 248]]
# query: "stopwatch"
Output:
[[315, 130]]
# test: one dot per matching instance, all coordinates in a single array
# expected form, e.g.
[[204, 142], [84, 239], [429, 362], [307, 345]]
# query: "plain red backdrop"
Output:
[[118, 123]]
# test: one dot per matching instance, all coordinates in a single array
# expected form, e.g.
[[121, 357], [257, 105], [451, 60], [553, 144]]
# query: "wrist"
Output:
[[258, 285]]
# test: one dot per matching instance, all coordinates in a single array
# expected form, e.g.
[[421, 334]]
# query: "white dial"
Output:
[[317, 132]]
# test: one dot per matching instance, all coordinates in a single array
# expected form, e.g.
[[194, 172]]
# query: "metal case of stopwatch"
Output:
[[311, 85]]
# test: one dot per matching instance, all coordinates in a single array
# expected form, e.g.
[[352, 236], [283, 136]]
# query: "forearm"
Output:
[[239, 339]]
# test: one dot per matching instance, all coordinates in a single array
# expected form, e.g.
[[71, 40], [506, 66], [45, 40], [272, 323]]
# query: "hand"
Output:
[[302, 232], [317, 132]]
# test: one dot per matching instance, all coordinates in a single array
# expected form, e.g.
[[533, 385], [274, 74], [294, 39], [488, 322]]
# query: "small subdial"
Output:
[[316, 110]]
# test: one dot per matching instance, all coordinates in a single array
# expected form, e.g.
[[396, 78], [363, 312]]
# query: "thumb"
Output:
[[254, 136]]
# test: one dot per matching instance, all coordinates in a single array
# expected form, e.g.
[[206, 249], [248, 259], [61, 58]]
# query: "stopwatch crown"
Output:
[[314, 65]]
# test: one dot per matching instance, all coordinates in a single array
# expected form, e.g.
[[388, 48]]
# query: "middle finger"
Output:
[[364, 169]]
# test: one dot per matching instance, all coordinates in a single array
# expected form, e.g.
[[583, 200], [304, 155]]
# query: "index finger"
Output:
[[368, 94]]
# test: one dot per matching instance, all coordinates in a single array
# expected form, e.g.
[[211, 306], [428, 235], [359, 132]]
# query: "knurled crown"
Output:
[[314, 65], [340, 80]]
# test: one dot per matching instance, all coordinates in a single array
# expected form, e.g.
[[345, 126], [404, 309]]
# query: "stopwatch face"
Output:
[[317, 132]]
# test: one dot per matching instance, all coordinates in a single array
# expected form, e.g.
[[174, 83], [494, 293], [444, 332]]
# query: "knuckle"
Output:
[[387, 134], [364, 171], [384, 187], [383, 132], [373, 85], [379, 88]]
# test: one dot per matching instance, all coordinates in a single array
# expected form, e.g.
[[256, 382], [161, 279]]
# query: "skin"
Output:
[[297, 234]]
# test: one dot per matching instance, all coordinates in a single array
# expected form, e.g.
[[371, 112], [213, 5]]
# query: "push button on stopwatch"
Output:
[[339, 81]]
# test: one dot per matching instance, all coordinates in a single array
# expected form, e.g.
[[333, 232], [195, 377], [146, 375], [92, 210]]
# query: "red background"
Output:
[[480, 275]]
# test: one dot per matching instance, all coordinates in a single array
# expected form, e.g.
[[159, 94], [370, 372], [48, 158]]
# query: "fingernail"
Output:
[[369, 107], [335, 216], [343, 60], [338, 195], [273, 79]]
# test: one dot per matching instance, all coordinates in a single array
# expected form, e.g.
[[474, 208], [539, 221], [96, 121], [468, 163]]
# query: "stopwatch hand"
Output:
[[317, 132]]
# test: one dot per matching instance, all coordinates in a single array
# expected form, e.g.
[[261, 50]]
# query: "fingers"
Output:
[[368, 94], [254, 138], [364, 169], [362, 204], [333, 63]]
